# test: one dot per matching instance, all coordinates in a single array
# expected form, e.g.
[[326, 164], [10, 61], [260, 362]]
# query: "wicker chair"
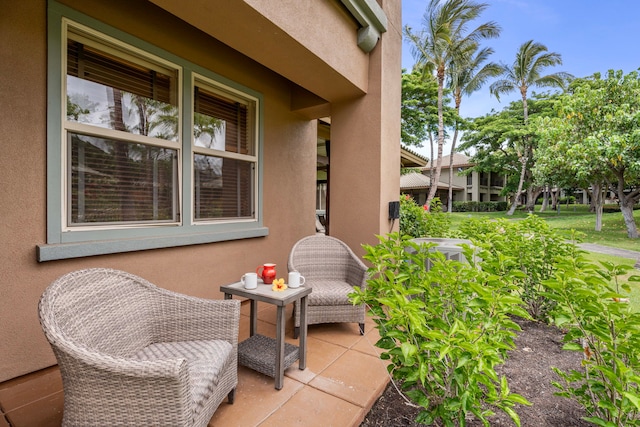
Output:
[[133, 354], [331, 269]]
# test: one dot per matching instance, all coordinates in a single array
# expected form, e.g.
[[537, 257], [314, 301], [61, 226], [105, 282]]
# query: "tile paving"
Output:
[[343, 379]]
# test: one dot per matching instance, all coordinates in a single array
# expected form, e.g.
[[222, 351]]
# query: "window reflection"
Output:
[[114, 93]]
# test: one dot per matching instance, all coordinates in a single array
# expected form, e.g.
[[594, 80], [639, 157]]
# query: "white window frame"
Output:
[[71, 242], [227, 92], [132, 54]]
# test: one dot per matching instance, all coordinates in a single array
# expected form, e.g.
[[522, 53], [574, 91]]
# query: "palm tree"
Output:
[[444, 39], [525, 72], [468, 75]]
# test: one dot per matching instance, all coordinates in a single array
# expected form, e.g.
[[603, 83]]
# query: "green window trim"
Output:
[[90, 241]]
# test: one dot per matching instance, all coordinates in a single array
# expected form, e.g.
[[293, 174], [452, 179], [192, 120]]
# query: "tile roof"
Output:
[[459, 160], [413, 181]]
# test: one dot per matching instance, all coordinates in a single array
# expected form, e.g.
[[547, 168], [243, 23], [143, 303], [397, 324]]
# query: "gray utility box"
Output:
[[449, 247]]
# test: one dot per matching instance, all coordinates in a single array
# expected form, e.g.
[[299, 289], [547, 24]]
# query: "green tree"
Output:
[[419, 111], [467, 75], [444, 38], [525, 72], [495, 137], [559, 160], [599, 126]]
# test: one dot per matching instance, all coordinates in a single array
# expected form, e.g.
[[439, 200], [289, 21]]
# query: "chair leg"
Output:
[[296, 332], [231, 396], [361, 328]]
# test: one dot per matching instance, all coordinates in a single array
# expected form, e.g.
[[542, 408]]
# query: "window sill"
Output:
[[52, 252]]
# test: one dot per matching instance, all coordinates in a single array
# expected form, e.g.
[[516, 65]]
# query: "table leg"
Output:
[[253, 325], [279, 373], [302, 349], [228, 296]]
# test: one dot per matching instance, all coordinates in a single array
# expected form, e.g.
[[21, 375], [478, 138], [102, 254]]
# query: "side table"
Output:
[[264, 354]]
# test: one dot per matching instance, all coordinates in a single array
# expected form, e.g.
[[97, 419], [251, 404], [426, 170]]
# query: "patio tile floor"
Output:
[[343, 378]]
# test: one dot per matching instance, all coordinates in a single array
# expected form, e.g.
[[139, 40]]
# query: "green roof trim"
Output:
[[372, 19]]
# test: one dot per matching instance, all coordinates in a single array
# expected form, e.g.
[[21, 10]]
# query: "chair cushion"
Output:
[[329, 292], [206, 361]]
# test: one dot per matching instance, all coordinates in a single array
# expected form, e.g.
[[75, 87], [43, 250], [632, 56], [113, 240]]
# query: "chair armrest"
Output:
[[109, 384], [357, 273], [181, 317]]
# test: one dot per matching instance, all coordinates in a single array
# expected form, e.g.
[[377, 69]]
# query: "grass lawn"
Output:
[[576, 217]]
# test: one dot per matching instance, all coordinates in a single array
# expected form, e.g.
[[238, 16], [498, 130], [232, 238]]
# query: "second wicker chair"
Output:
[[331, 269]]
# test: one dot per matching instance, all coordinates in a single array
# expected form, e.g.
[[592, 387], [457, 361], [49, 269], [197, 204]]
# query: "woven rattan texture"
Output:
[[331, 269], [259, 353], [100, 321]]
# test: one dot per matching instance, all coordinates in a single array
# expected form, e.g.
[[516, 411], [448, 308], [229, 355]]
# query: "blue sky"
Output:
[[592, 36]]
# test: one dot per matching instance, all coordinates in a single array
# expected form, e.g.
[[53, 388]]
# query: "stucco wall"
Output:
[[365, 146], [312, 43], [363, 94], [289, 174]]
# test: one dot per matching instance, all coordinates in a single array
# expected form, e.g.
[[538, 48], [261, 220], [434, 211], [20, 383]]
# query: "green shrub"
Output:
[[444, 330], [479, 206], [567, 200], [529, 246], [416, 221], [591, 307]]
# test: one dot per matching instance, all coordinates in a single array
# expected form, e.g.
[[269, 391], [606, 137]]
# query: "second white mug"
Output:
[[250, 280], [295, 279]]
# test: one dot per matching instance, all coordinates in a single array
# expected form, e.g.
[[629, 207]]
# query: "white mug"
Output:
[[295, 279], [250, 280]]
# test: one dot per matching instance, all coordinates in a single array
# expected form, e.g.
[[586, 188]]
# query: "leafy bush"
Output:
[[529, 246], [416, 221], [591, 306], [567, 200], [611, 208], [479, 206], [444, 330]]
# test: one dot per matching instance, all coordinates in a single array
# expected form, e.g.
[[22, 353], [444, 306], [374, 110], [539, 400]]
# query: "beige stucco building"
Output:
[[213, 108], [467, 187]]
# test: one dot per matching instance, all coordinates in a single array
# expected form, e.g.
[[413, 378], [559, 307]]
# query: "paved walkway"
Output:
[[623, 253]]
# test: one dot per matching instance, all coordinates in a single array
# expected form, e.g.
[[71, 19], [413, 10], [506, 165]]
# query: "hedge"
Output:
[[479, 206]]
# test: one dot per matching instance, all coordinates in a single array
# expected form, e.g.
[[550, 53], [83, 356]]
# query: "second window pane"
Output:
[[222, 188]]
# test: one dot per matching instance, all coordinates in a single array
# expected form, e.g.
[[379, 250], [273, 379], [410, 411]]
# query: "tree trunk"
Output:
[[516, 197], [532, 195], [523, 159], [554, 199], [597, 202], [436, 176], [431, 160], [545, 198], [626, 206], [453, 149], [458, 100], [629, 221]]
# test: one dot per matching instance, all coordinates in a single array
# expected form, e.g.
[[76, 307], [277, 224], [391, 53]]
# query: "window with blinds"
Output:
[[120, 93], [123, 140], [111, 93], [224, 155]]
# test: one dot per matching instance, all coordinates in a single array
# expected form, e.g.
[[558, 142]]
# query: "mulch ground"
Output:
[[528, 371]]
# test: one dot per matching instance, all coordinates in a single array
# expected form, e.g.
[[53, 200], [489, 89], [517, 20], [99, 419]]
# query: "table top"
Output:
[[264, 293]]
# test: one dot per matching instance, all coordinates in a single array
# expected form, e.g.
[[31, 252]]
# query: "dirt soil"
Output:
[[528, 371]]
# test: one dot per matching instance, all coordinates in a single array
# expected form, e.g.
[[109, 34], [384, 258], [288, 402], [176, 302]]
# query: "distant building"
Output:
[[476, 186]]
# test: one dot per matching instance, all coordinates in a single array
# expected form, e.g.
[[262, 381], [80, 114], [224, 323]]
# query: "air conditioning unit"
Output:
[[451, 248]]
